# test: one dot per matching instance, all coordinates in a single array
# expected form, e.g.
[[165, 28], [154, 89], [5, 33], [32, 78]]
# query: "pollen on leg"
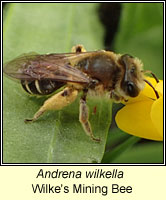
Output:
[[56, 102]]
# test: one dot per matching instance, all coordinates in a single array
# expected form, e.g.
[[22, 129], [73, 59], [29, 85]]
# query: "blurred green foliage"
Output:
[[141, 34]]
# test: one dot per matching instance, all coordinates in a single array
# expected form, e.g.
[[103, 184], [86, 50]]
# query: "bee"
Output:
[[101, 72]]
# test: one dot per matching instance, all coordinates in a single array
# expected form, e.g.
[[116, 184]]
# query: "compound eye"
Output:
[[131, 89]]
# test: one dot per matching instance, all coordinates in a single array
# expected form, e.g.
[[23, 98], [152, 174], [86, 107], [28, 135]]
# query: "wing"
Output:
[[49, 66]]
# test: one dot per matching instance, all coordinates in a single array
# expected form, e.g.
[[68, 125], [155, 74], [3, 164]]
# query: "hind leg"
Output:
[[84, 118], [56, 102]]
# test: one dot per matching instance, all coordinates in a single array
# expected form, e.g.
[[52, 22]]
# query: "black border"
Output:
[[80, 164]]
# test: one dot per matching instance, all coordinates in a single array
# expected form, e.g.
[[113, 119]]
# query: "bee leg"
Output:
[[83, 118], [56, 102], [78, 49], [115, 97]]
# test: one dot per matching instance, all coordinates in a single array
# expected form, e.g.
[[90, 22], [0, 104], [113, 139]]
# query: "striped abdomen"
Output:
[[42, 87]]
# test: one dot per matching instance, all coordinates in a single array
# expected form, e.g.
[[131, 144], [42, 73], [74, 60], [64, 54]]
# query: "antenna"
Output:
[[156, 93]]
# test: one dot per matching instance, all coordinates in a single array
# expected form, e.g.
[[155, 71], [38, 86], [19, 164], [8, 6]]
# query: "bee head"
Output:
[[133, 81]]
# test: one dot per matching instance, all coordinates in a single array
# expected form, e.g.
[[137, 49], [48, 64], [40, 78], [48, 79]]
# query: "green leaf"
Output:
[[57, 137]]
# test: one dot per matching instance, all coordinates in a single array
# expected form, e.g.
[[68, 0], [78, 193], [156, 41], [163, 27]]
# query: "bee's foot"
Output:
[[29, 120], [96, 139]]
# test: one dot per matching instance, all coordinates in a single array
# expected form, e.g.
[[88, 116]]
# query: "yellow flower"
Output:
[[143, 116]]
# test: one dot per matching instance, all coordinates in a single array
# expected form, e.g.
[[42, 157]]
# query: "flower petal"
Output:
[[157, 115], [148, 91], [140, 97], [135, 119]]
